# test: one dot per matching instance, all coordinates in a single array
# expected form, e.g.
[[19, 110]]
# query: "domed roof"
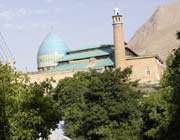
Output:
[[51, 50], [52, 44]]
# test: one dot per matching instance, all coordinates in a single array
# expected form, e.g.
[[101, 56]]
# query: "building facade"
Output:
[[56, 60]]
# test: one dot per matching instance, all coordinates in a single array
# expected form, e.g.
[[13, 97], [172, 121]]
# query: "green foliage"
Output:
[[171, 79], [161, 110], [165, 125], [157, 114], [172, 73], [101, 106], [26, 113]]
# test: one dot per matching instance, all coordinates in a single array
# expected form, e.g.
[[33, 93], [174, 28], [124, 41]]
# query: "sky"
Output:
[[80, 23]]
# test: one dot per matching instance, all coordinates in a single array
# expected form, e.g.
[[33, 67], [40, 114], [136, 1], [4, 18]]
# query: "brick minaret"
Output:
[[120, 60]]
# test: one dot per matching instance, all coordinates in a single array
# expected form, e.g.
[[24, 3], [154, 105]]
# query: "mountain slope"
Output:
[[158, 35]]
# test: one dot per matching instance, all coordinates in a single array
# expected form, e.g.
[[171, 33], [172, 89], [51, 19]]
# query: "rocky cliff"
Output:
[[158, 35]]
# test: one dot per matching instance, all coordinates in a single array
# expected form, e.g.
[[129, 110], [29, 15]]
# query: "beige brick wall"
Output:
[[39, 77], [147, 70]]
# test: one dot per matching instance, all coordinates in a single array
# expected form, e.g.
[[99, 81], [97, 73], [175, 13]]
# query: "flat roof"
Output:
[[143, 57], [90, 48], [84, 55]]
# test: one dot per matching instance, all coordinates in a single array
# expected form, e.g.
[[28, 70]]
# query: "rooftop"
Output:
[[84, 55], [101, 63]]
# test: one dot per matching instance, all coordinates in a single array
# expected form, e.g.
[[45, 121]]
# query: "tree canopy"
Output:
[[171, 79], [100, 106], [25, 113], [156, 114]]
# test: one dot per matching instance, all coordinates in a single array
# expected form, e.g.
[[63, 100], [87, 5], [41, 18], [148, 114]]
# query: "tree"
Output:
[[100, 106], [157, 114], [70, 96], [171, 79], [160, 110], [26, 113]]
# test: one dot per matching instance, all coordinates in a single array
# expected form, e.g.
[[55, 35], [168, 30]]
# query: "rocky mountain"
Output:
[[158, 35]]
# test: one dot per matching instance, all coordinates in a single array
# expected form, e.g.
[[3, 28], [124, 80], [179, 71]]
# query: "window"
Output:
[[147, 71]]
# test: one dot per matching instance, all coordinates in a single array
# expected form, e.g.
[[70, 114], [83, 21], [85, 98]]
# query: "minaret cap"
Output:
[[116, 12]]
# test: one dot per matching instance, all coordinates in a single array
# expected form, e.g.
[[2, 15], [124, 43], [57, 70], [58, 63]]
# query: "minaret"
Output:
[[120, 60]]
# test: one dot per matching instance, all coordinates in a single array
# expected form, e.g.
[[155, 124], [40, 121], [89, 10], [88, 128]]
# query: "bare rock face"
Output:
[[158, 35]]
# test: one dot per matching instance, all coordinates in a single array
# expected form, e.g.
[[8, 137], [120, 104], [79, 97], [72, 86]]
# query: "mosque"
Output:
[[56, 60]]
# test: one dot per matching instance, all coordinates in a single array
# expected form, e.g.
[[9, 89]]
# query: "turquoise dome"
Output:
[[51, 50]]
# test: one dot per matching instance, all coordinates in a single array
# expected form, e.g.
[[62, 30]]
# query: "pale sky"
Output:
[[81, 23]]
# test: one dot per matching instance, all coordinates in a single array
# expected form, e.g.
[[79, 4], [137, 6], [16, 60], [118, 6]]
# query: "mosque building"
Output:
[[56, 60]]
